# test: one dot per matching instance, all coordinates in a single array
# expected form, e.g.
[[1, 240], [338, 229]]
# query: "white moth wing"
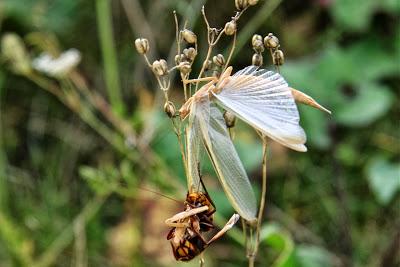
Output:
[[198, 119], [207, 121], [263, 99]]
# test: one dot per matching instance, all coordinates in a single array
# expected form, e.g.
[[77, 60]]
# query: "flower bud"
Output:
[[257, 60], [271, 41], [185, 67], [230, 119], [278, 57], [169, 109], [190, 53], [241, 4], [189, 36], [219, 60], [142, 45], [253, 2], [160, 67], [230, 27]]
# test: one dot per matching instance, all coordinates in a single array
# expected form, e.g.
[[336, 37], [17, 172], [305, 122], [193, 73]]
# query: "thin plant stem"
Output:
[[184, 86], [255, 22], [104, 20], [177, 34], [103, 107], [211, 43], [263, 192], [86, 114], [231, 52], [202, 261], [250, 249], [254, 251], [4, 195], [244, 231], [210, 47]]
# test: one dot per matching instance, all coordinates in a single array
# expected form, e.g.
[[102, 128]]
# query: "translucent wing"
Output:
[[193, 149], [207, 123], [263, 99]]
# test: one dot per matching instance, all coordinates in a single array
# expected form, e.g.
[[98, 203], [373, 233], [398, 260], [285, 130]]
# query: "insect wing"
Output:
[[263, 99], [207, 122], [193, 148]]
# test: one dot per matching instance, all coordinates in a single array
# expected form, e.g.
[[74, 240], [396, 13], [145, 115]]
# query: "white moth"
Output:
[[259, 97]]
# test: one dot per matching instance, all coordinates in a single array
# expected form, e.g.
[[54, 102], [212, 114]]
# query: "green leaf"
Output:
[[354, 14], [392, 6], [279, 239], [384, 179], [312, 256], [377, 61], [371, 102]]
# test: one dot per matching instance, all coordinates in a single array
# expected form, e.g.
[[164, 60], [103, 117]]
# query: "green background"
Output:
[[73, 183]]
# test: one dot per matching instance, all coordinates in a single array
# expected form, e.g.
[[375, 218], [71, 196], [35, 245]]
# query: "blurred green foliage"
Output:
[[70, 180]]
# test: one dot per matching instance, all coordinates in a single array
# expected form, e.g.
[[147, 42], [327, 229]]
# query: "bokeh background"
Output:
[[78, 152]]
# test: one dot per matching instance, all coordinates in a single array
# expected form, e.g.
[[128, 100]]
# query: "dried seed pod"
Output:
[[241, 4], [160, 67], [208, 65], [230, 119], [257, 43], [185, 67], [178, 59], [216, 73], [230, 27], [258, 46], [256, 38], [257, 60], [253, 2], [278, 58], [189, 36], [169, 109], [142, 45], [219, 60], [190, 53], [271, 41]]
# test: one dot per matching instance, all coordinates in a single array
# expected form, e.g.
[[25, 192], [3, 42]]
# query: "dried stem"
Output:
[[211, 43], [253, 254], [177, 34], [230, 52]]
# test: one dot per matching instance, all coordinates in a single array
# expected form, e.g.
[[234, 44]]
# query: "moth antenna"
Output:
[[160, 194]]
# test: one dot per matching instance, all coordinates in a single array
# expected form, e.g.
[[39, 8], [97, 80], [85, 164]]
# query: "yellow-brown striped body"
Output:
[[187, 242]]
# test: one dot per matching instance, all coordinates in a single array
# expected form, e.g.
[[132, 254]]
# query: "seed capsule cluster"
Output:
[[187, 52], [243, 4], [142, 45], [270, 42]]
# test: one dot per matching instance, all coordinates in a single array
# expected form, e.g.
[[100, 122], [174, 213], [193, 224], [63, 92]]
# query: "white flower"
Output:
[[57, 67]]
